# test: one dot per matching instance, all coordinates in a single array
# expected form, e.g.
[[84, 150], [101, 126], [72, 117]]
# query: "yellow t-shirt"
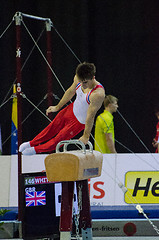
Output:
[[104, 124]]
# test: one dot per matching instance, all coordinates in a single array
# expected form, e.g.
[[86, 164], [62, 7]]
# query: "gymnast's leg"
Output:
[[68, 132], [71, 128], [50, 131]]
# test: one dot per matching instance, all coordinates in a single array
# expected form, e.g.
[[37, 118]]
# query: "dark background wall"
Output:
[[120, 37]]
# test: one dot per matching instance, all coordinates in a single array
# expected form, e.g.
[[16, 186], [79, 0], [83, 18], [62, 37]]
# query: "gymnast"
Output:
[[75, 117]]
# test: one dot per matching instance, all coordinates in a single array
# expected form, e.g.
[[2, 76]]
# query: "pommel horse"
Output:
[[69, 167]]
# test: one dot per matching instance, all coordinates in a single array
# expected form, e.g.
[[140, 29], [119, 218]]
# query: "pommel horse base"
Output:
[[69, 167]]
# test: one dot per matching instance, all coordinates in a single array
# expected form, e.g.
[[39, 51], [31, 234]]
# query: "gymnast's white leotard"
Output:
[[81, 104]]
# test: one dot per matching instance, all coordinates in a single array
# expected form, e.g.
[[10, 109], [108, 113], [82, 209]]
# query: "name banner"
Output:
[[126, 179]]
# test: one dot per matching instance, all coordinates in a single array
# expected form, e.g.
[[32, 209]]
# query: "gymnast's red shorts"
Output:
[[64, 127]]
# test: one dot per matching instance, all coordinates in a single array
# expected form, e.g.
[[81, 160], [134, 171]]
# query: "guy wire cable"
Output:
[[108, 126], [122, 187], [117, 110], [66, 44], [64, 90], [26, 60], [35, 108], [94, 139], [138, 207], [79, 62], [43, 56], [6, 28], [125, 190], [135, 154], [61, 83], [24, 96], [135, 134]]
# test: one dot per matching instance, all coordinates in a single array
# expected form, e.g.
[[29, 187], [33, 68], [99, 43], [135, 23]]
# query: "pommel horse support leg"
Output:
[[69, 167]]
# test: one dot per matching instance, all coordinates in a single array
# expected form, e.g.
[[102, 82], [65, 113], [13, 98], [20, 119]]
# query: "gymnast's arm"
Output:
[[96, 100], [70, 92]]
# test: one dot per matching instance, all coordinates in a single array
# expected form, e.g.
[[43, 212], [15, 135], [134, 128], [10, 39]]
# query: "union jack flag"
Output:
[[35, 198]]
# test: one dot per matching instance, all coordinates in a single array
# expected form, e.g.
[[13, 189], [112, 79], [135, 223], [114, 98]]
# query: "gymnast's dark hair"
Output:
[[86, 71]]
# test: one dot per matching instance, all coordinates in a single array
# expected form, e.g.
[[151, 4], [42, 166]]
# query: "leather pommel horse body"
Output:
[[73, 165], [69, 167]]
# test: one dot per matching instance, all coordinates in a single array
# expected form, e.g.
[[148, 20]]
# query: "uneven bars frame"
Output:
[[18, 19], [31, 16]]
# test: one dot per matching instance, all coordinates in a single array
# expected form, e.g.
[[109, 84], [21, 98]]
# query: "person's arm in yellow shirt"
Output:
[[110, 142]]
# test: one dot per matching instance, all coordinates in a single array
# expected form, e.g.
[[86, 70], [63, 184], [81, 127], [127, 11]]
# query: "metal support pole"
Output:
[[66, 210], [85, 215], [49, 59], [18, 19]]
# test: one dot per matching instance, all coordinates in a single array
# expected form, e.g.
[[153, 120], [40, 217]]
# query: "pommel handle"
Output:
[[65, 143]]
